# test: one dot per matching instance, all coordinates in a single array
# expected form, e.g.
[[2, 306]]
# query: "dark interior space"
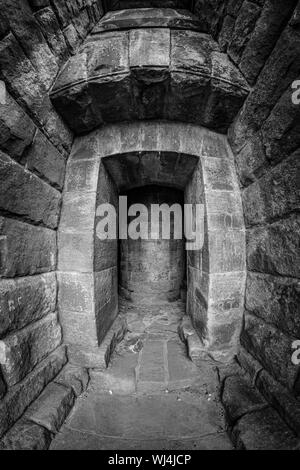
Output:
[[152, 270]]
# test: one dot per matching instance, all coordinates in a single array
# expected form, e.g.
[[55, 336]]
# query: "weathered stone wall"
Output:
[[211, 13], [153, 270], [36, 38], [263, 40]]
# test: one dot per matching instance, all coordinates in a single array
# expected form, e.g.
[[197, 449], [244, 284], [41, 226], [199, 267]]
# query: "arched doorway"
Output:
[[200, 163]]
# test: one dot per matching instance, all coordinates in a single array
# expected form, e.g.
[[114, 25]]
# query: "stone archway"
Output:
[[88, 273]]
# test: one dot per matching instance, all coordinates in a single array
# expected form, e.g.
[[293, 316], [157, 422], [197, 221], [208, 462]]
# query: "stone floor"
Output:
[[151, 396]]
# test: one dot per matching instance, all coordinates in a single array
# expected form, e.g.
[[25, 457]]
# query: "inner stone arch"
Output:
[[120, 157]]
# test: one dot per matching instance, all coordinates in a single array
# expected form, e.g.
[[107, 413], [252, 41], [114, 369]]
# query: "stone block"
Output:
[[150, 18], [226, 32], [76, 252], [58, 131], [106, 93], [233, 7], [251, 160], [25, 435], [53, 33], [274, 195], [187, 97], [82, 176], [87, 147], [79, 329], [46, 161], [226, 251], [244, 26], [263, 430], [23, 350], [197, 299], [16, 128], [72, 38], [107, 190], [210, 14], [227, 94], [25, 300], [98, 11], [218, 174], [29, 34], [274, 249], [78, 212], [99, 358], [273, 349], [249, 364], [106, 286], [61, 10], [76, 292], [195, 347], [213, 145], [149, 62], [240, 398], [106, 314], [75, 69], [106, 254], [18, 71], [52, 407], [191, 52], [224, 210], [281, 399], [82, 115], [281, 68], [149, 47], [275, 300], [26, 249], [229, 370], [223, 337], [75, 377], [23, 394], [85, 356], [82, 23], [34, 200], [264, 36], [280, 132], [226, 294]]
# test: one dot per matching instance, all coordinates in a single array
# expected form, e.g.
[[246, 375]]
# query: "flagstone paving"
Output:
[[151, 396]]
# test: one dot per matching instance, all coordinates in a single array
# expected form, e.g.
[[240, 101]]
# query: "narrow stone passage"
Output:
[[151, 396]]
